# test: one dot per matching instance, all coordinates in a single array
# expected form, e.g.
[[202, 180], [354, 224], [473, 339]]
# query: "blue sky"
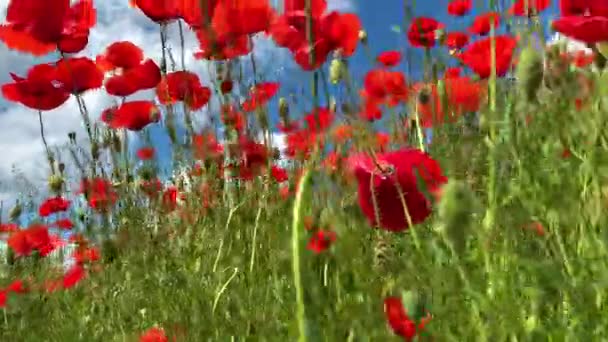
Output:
[[20, 140]]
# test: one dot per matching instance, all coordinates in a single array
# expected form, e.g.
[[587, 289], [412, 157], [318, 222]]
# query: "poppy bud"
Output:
[[529, 72], [363, 36], [15, 212], [55, 183], [455, 212], [94, 150], [283, 108], [336, 71]]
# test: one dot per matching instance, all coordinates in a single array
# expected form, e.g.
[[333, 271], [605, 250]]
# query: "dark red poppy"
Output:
[[383, 181], [423, 32]]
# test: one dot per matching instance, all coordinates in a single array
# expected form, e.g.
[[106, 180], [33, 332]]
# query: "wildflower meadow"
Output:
[[452, 188]]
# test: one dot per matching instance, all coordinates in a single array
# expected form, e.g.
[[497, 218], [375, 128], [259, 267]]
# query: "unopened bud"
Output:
[[15, 212], [336, 71], [55, 183], [283, 108]]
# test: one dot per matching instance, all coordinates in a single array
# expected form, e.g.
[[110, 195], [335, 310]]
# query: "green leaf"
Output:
[[396, 28]]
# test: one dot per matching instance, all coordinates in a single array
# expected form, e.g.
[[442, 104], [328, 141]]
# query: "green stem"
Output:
[[295, 250]]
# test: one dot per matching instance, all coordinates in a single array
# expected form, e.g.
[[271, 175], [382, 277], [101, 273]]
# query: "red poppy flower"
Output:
[[319, 119], [42, 89], [534, 7], [423, 32], [318, 7], [39, 27], [123, 54], [456, 40], [145, 153], [34, 238], [588, 29], [384, 179], [484, 22], [183, 86], [144, 76], [321, 241], [583, 7], [477, 55], [245, 17], [459, 8], [66, 224], [79, 74], [73, 276], [397, 318], [154, 335], [159, 11], [53, 205], [221, 48], [260, 95], [381, 86], [134, 115], [279, 174], [331, 31], [99, 193], [389, 58]]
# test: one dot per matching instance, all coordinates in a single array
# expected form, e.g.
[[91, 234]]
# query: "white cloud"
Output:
[[20, 140]]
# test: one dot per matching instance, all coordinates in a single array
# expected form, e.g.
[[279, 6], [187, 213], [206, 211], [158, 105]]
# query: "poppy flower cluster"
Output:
[[40, 27]]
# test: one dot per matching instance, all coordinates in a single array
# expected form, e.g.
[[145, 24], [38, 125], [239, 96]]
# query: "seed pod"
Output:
[[283, 108], [336, 70], [15, 212], [529, 72]]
